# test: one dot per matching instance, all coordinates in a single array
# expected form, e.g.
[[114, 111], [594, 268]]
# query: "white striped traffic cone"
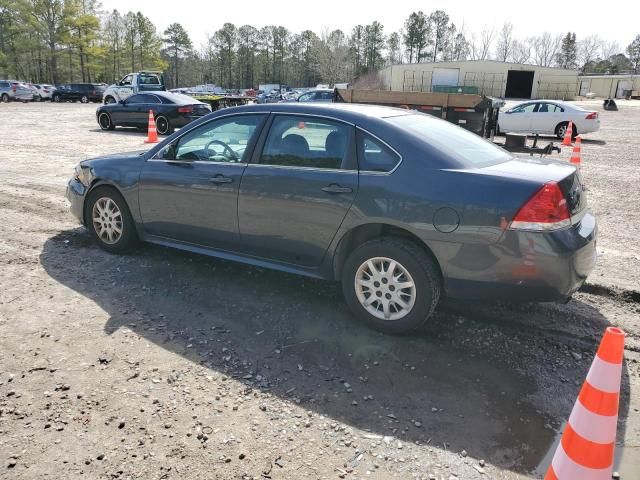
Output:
[[587, 445]]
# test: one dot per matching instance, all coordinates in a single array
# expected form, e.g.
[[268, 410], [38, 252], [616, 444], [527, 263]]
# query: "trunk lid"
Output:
[[543, 170]]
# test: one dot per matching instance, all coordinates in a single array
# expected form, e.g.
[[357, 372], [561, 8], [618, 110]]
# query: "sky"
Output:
[[620, 24]]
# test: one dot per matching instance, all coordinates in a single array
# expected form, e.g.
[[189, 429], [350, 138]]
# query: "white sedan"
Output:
[[547, 117]]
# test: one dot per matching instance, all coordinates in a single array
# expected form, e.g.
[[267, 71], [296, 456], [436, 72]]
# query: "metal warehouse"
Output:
[[610, 86], [485, 77]]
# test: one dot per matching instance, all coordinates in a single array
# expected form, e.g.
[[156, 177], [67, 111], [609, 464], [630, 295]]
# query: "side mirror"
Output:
[[122, 102]]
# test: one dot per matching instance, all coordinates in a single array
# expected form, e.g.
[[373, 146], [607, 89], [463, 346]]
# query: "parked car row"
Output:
[[13, 90]]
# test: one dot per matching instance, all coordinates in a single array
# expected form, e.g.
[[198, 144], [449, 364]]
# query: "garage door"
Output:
[[445, 76], [622, 86]]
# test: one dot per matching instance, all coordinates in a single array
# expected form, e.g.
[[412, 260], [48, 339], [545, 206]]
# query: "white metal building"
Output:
[[485, 77], [609, 86]]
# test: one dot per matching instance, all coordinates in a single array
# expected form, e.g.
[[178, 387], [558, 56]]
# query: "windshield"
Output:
[[468, 148]]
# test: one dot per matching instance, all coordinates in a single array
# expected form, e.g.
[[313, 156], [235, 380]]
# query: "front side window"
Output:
[[374, 155], [135, 99], [298, 141], [528, 108], [126, 80], [223, 140]]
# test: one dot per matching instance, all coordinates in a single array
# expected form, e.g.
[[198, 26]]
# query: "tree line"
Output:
[[57, 41]]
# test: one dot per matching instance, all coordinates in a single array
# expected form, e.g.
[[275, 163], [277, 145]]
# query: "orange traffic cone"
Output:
[[152, 133], [568, 134], [588, 441], [576, 156]]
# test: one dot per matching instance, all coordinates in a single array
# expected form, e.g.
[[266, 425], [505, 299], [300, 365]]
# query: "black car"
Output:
[[83, 92], [170, 110]]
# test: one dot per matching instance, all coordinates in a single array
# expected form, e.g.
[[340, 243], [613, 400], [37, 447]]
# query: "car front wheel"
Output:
[[84, 99], [104, 120], [56, 98], [392, 284], [109, 221]]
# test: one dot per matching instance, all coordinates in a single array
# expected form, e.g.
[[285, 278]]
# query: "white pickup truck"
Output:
[[133, 83]]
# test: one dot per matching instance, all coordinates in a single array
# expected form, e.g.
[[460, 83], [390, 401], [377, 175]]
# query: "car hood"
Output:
[[116, 156]]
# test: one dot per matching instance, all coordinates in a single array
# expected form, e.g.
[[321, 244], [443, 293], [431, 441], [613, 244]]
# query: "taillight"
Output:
[[546, 210], [185, 109], [592, 116], [14, 88]]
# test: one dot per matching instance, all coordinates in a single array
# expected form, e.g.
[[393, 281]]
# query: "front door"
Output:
[[517, 119], [189, 190], [295, 196]]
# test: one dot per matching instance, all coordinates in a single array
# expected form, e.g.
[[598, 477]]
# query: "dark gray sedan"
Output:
[[399, 206]]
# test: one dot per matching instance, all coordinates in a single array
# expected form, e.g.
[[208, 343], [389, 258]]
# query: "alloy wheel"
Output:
[[107, 220], [385, 288]]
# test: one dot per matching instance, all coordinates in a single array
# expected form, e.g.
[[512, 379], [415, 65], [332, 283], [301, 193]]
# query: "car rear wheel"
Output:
[[163, 126], [84, 99], [109, 100], [104, 120], [561, 130], [5, 98], [392, 284], [109, 221]]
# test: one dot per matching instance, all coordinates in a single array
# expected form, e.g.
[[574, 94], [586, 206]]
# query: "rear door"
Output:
[[189, 190], [546, 117], [296, 193]]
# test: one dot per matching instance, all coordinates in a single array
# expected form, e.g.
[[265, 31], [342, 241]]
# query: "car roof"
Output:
[[344, 111]]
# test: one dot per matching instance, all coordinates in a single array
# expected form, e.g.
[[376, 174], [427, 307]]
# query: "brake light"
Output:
[[185, 109], [546, 210], [14, 88], [592, 116]]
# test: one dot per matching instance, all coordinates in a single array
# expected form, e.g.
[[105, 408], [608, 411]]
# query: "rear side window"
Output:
[[455, 142], [374, 155], [306, 142]]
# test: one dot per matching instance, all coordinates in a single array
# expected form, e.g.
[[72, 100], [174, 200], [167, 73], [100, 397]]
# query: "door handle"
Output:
[[335, 188], [221, 179]]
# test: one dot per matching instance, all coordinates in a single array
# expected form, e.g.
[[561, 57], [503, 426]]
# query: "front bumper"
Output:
[[76, 193], [525, 266]]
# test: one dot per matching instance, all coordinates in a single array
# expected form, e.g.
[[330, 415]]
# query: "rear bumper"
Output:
[[525, 266], [181, 121], [76, 193]]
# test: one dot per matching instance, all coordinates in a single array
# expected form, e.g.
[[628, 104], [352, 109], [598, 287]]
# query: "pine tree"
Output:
[[178, 44], [568, 55], [633, 51]]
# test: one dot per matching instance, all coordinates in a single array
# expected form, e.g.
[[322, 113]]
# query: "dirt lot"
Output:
[[166, 365]]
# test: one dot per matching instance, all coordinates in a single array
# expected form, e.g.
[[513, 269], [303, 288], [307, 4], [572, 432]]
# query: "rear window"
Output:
[[466, 147]]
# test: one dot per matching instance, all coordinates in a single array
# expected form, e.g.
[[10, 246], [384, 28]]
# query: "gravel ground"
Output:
[[167, 365]]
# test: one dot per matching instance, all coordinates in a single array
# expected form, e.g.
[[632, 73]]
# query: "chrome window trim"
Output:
[[314, 169], [373, 172], [200, 162]]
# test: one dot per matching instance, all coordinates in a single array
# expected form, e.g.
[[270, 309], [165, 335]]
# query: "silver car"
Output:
[[13, 90]]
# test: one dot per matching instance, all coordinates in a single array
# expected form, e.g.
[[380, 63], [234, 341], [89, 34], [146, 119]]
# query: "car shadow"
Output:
[[122, 131], [465, 381]]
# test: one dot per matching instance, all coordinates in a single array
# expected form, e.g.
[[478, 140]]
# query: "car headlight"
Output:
[[82, 174]]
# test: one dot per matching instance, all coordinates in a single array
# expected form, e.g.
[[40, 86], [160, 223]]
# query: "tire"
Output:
[[111, 242], [84, 99], [5, 98], [56, 98], [109, 100], [561, 129], [413, 265], [105, 122], [163, 125]]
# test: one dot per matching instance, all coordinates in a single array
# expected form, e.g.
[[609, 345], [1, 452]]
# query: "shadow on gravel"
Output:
[[458, 384]]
